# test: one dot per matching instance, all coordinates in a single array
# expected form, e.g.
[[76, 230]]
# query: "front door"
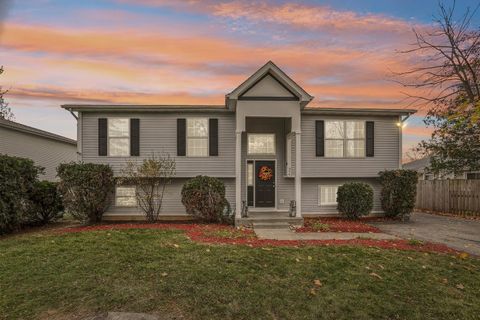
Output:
[[264, 183]]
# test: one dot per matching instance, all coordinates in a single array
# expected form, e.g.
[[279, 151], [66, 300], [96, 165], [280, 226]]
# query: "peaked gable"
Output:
[[268, 83], [268, 86]]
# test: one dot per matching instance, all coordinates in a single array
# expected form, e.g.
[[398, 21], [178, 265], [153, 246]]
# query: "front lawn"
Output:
[[62, 276]]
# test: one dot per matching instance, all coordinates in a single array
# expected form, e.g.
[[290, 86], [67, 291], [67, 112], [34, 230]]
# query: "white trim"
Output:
[[262, 134], [197, 138], [320, 202], [298, 173], [116, 196], [255, 184], [238, 174], [129, 137], [345, 139]]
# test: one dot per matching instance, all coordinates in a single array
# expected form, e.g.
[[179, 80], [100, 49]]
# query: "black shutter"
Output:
[[134, 137], [181, 137], [370, 140], [102, 136], [319, 138], [213, 137]]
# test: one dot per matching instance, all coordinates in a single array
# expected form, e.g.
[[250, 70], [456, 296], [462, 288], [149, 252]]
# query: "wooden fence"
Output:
[[460, 197]]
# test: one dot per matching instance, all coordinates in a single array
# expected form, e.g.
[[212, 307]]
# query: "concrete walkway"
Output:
[[457, 233], [287, 234]]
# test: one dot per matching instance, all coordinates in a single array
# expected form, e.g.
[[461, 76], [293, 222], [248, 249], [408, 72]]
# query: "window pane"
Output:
[[355, 148], [197, 147], [125, 197], [355, 129], [197, 127], [119, 146], [250, 174], [261, 144], [118, 127], [327, 195], [334, 130], [334, 148], [125, 191]]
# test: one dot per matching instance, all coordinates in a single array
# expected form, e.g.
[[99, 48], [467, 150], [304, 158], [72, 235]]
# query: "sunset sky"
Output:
[[194, 52]]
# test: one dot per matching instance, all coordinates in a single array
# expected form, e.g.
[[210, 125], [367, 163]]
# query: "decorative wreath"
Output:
[[265, 173]]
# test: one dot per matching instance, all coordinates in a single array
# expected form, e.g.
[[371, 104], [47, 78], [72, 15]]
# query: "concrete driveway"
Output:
[[457, 233]]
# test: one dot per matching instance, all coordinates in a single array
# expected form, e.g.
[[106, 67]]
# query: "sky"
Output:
[[194, 52]]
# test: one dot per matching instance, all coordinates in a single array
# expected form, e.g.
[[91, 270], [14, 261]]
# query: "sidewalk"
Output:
[[287, 234]]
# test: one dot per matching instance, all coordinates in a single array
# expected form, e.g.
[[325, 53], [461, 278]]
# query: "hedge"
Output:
[[399, 190], [204, 198], [355, 199], [86, 189], [17, 179]]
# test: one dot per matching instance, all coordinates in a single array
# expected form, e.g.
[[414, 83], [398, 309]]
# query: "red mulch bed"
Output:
[[206, 234], [336, 225]]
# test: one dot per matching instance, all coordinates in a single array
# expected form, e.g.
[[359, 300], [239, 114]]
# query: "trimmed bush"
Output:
[[355, 199], [17, 179], [204, 198], [45, 204], [399, 189], [86, 189]]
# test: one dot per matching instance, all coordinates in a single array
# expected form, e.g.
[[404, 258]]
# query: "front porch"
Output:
[[267, 192]]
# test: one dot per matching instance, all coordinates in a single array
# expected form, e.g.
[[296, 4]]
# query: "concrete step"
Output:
[[271, 225], [264, 219], [268, 215]]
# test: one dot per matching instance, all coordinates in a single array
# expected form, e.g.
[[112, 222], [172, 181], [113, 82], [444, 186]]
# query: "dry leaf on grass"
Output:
[[317, 282], [373, 274], [460, 286]]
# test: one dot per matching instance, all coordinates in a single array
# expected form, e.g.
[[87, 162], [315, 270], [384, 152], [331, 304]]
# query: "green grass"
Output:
[[48, 276]]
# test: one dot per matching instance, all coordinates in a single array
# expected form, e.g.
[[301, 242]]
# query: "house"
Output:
[[421, 166], [274, 153], [44, 148]]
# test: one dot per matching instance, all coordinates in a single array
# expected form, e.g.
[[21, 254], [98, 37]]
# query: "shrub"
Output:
[[204, 198], [355, 199], [150, 177], [86, 189], [399, 189], [45, 203], [17, 178]]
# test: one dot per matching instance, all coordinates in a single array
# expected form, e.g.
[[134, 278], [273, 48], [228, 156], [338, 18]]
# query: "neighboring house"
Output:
[[44, 148], [421, 166], [271, 150]]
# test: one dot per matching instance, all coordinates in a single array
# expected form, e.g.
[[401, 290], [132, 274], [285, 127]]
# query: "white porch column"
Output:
[[238, 175], [298, 172]]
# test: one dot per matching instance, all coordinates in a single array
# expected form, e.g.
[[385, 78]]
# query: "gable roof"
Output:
[[417, 165], [269, 69], [26, 129]]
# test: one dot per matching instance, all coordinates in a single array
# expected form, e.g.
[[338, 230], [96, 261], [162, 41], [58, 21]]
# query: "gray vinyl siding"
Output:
[[285, 187], [172, 203], [310, 194], [158, 134], [387, 154], [45, 152]]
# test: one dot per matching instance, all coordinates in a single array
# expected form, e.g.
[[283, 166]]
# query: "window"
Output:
[[327, 195], [344, 139], [197, 137], [125, 197], [250, 174], [288, 152], [118, 137], [261, 143]]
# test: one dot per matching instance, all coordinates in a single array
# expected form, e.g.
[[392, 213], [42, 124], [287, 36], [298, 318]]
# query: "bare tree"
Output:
[[449, 54], [447, 78], [5, 111], [150, 177]]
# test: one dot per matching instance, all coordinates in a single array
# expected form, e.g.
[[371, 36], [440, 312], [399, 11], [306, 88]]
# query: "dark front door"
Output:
[[264, 183]]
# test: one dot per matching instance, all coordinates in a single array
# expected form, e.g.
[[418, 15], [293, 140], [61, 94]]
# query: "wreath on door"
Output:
[[265, 173]]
